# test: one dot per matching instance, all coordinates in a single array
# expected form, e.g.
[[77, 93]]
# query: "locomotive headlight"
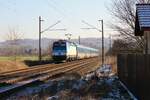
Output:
[[63, 53], [59, 53], [55, 53]]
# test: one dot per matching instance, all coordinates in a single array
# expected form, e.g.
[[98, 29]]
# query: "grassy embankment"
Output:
[[111, 60], [22, 58], [20, 62]]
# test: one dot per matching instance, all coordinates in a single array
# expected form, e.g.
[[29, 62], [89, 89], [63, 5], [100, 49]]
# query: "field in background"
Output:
[[22, 58], [20, 62]]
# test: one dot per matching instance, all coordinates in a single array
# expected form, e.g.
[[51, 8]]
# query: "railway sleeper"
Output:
[[33, 75]]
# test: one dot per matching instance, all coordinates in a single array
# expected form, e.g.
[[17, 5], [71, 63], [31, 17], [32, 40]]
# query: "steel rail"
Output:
[[45, 76], [34, 67], [22, 75]]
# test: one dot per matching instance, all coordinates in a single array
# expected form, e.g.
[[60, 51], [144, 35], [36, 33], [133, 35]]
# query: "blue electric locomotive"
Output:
[[66, 50]]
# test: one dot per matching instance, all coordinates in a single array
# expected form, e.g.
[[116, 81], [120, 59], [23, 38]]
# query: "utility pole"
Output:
[[40, 20], [79, 40], [47, 29], [102, 31], [110, 49], [146, 43], [102, 27], [110, 43]]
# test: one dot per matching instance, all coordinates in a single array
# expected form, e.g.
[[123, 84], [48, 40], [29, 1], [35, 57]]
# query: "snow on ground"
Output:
[[98, 85]]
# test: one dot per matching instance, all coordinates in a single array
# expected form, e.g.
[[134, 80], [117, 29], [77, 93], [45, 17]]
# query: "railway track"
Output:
[[27, 76]]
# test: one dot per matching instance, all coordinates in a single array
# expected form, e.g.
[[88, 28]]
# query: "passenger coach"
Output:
[[66, 50]]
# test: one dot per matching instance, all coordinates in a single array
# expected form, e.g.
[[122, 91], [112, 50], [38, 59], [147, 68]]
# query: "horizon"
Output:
[[57, 38]]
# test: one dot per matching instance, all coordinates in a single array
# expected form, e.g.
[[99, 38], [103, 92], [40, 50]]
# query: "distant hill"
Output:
[[46, 42]]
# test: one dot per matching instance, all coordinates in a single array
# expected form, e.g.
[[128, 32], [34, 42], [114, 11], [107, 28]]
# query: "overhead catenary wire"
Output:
[[51, 26], [55, 8], [68, 11], [68, 17], [64, 13], [92, 26]]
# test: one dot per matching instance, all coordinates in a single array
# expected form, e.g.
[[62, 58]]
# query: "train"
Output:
[[64, 50]]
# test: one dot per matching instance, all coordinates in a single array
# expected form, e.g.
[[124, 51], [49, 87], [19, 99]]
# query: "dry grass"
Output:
[[11, 65], [112, 60]]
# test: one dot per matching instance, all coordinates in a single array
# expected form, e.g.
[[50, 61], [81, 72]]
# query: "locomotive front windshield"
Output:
[[59, 46], [59, 51]]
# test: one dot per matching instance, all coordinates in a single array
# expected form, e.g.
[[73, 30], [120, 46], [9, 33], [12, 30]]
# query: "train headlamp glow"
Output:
[[58, 53]]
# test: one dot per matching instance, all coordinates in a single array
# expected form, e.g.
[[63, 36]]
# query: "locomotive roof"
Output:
[[82, 46]]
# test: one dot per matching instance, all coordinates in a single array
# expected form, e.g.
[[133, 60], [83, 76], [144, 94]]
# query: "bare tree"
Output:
[[13, 37], [123, 12], [123, 46]]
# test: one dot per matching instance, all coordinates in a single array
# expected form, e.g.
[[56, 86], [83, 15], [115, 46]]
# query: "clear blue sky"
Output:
[[22, 15]]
